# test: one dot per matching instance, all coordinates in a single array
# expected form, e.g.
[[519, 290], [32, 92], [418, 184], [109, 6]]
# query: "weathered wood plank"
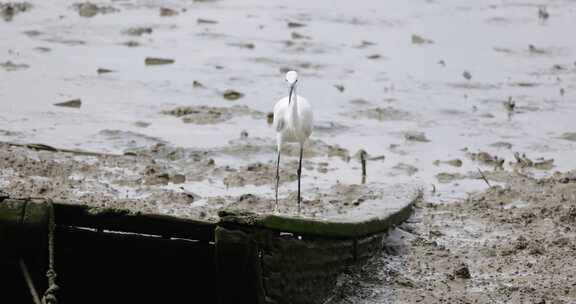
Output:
[[369, 218], [123, 220]]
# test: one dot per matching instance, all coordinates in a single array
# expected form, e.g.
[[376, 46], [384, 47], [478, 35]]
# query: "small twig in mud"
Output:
[[467, 75], [363, 155], [543, 13], [510, 104], [484, 177]]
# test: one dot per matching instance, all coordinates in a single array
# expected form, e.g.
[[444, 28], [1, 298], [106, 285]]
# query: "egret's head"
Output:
[[291, 77]]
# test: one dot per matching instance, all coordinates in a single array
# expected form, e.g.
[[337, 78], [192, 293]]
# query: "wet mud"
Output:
[[510, 243], [153, 179]]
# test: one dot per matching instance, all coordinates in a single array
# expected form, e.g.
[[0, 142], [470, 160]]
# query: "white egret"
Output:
[[293, 120]]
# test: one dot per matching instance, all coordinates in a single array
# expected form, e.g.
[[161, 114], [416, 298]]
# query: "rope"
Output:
[[50, 293], [29, 282]]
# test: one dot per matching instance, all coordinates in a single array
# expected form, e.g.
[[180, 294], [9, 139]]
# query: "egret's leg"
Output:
[[277, 180], [299, 175]]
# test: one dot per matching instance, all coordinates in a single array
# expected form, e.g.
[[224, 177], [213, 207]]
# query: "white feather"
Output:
[[293, 121]]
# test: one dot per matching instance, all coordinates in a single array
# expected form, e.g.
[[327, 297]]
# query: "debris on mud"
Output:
[[243, 45], [292, 24], [138, 31], [522, 162], [446, 177], [158, 61], [487, 159], [11, 66], [360, 102], [543, 13], [415, 136], [74, 103], [206, 21], [270, 118], [232, 95], [141, 124], [10, 9], [571, 136], [467, 75], [104, 71], [339, 87], [296, 35], [131, 43], [381, 114], [167, 12], [417, 39], [88, 9], [197, 84], [453, 162], [462, 272], [510, 104]]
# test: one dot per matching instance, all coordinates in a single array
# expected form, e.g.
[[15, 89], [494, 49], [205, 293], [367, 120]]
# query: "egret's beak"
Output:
[[291, 90]]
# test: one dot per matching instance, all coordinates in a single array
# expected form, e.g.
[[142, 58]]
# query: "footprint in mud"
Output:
[[316, 203], [381, 114], [259, 174], [127, 140], [247, 147], [405, 169], [203, 115], [329, 128]]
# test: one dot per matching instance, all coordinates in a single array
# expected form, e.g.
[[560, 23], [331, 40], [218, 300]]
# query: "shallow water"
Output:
[[490, 39]]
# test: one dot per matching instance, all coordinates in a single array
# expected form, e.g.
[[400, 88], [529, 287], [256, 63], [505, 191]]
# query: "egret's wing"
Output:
[[307, 116], [279, 110], [279, 124]]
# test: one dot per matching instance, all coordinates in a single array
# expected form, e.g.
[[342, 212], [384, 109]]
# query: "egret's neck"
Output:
[[294, 102]]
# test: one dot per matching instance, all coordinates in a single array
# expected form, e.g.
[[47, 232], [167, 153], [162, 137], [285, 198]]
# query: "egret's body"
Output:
[[293, 120], [294, 123]]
